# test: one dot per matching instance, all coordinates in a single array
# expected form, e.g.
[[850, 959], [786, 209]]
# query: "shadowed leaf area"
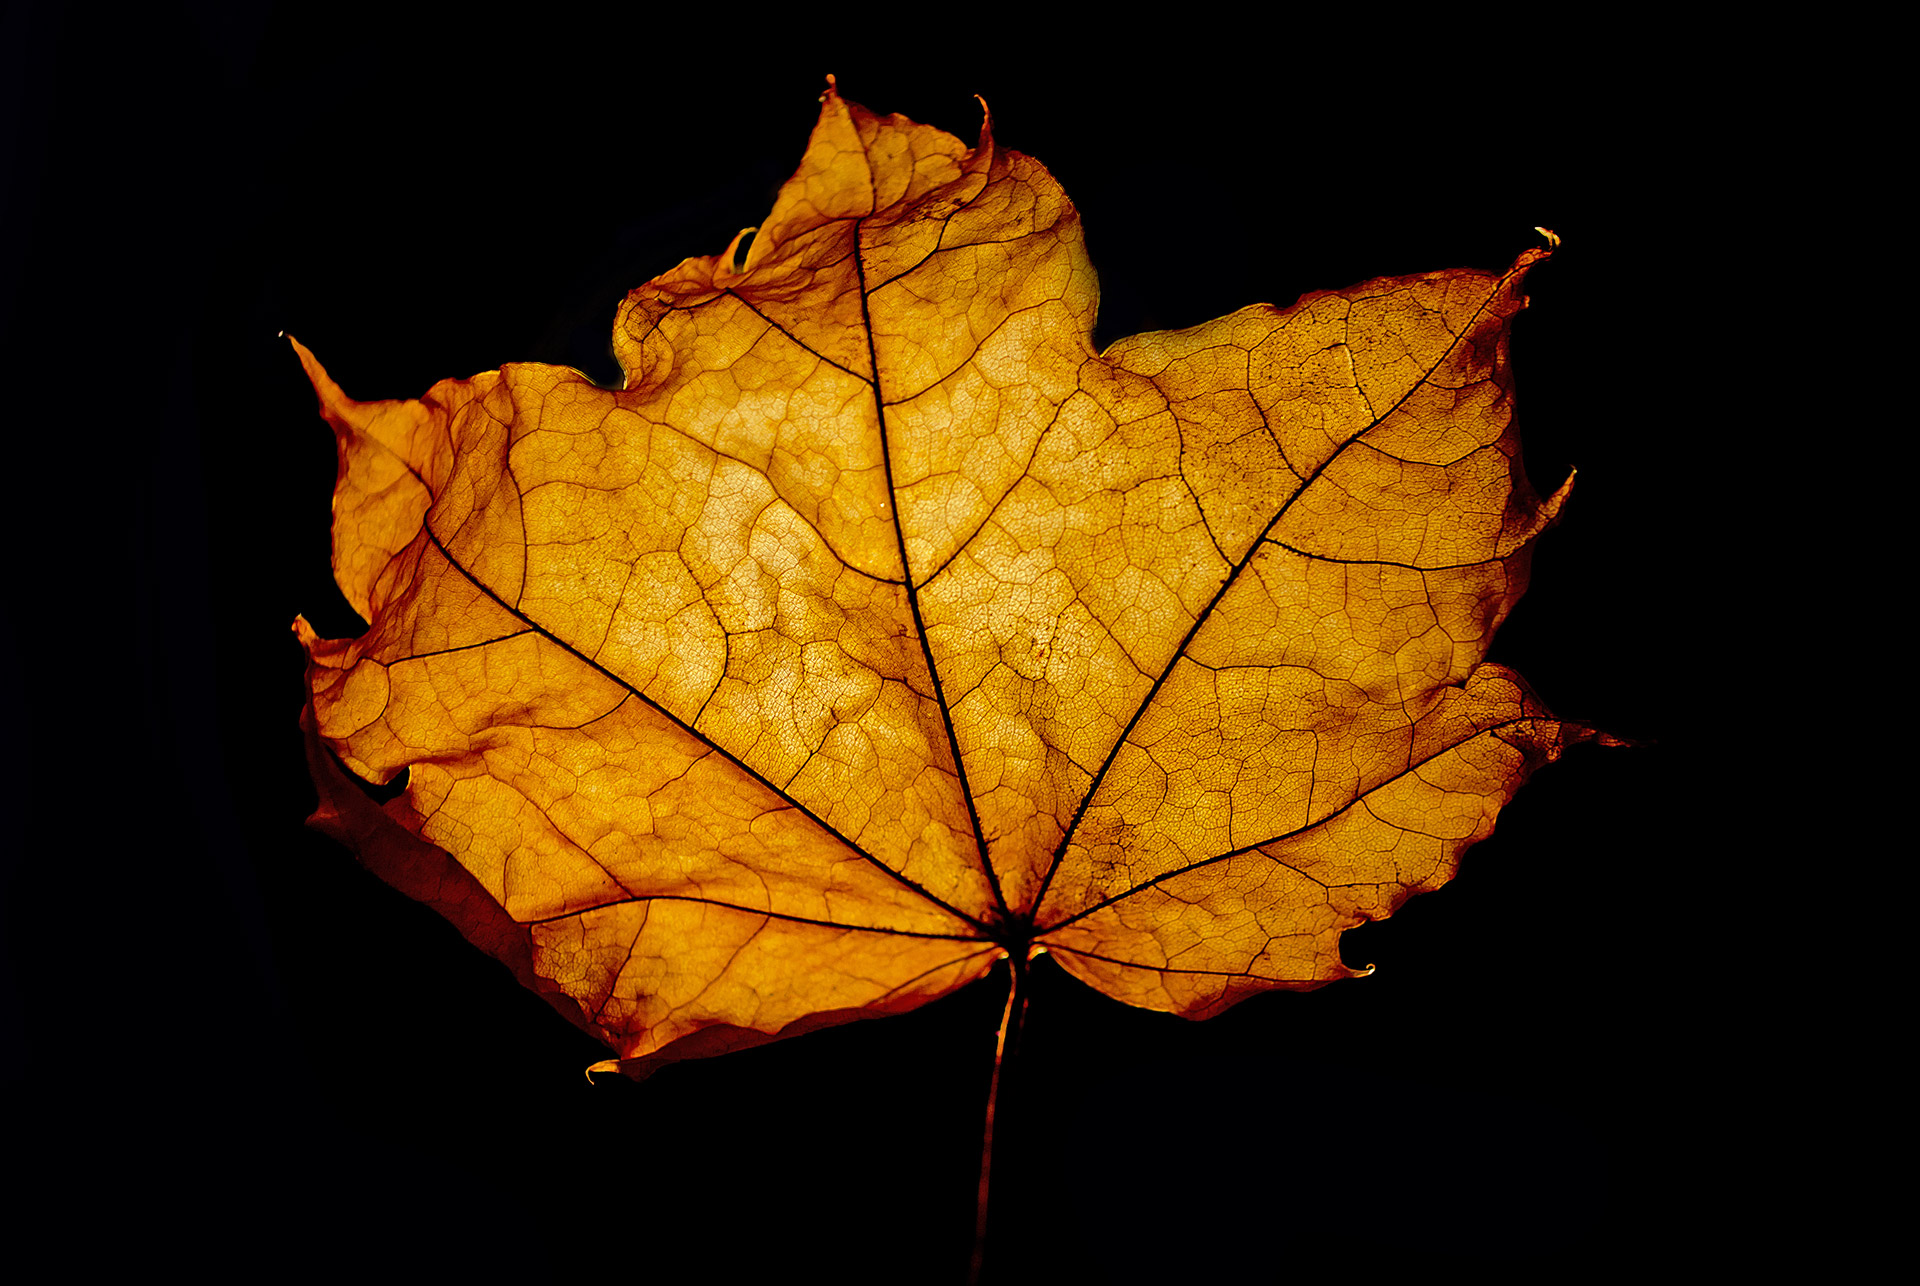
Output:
[[878, 628]]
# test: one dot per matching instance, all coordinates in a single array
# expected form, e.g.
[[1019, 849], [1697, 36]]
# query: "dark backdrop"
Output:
[[227, 1034]]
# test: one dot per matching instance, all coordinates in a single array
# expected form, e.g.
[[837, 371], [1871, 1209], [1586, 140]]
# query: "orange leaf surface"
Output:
[[879, 627]]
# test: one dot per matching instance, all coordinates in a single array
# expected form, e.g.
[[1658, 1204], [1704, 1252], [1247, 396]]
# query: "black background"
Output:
[[247, 1049]]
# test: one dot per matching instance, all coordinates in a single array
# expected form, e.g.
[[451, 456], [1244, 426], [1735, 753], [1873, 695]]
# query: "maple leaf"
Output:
[[879, 628]]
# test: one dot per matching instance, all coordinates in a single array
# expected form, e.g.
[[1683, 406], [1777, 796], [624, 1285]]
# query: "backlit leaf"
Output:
[[879, 627]]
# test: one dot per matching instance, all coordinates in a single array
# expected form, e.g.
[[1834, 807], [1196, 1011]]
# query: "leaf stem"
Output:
[[1003, 1055]]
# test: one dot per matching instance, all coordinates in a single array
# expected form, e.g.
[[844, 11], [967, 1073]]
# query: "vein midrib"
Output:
[[912, 591]]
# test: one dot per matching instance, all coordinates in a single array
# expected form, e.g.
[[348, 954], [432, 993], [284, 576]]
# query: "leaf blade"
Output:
[[878, 625]]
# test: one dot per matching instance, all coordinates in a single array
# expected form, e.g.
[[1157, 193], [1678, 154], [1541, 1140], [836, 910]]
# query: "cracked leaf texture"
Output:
[[879, 626]]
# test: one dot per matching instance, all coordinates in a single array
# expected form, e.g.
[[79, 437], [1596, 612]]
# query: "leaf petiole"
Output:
[[1003, 1054]]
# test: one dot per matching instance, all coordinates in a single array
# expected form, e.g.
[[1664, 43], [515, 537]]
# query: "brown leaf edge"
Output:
[[380, 839]]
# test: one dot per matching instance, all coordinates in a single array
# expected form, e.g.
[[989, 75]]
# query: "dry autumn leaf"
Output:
[[878, 628]]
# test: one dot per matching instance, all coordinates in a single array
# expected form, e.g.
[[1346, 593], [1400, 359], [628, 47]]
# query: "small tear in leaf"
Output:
[[378, 792]]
